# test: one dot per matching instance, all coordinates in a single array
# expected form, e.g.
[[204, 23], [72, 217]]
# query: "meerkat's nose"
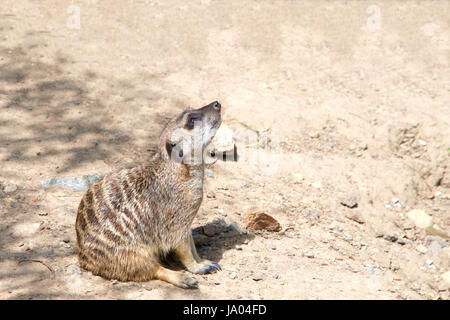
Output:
[[216, 105]]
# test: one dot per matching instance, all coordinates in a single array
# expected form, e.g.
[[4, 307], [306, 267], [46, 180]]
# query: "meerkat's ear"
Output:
[[175, 151]]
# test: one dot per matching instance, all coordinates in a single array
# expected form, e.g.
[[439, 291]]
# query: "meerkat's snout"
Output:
[[194, 130]]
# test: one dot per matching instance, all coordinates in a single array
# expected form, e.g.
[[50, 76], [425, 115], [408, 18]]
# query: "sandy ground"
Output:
[[356, 92]]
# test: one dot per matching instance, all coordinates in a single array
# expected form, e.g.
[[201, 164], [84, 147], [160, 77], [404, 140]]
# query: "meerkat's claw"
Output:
[[217, 266], [208, 267], [188, 282]]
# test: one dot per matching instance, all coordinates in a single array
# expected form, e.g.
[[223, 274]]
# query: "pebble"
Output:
[[75, 183], [446, 277], [422, 249], [429, 262], [233, 275], [257, 278], [421, 218], [390, 237], [355, 216], [422, 142], [317, 184], [274, 248], [309, 255], [311, 213], [314, 135], [211, 195], [295, 247], [43, 213], [65, 245], [221, 212], [209, 230], [238, 247], [275, 276], [350, 201], [73, 268], [10, 188], [401, 241], [395, 200]]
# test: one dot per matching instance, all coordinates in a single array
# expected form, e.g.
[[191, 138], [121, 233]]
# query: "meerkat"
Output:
[[131, 218]]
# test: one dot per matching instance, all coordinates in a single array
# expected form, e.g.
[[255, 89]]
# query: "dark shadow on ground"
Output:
[[61, 109]]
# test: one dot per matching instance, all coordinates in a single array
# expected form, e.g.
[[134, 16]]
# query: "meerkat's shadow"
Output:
[[212, 241]]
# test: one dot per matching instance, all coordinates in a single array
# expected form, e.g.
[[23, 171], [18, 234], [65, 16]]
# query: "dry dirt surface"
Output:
[[353, 98]]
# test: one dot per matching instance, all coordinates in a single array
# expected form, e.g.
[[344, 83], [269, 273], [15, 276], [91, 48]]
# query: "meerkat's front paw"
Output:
[[206, 267]]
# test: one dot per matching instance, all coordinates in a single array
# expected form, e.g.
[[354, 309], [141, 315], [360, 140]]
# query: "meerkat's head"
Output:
[[185, 138]]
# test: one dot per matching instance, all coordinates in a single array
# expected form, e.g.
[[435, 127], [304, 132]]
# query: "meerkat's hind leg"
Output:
[[180, 279], [187, 254]]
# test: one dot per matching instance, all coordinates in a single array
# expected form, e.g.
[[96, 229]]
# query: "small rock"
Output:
[[66, 240], [43, 213], [209, 230], [275, 276], [261, 221], [379, 235], [211, 195], [355, 216], [429, 262], [274, 248], [311, 213], [394, 267], [10, 188], [395, 200], [420, 218], [243, 262], [238, 247], [295, 247], [233, 275], [309, 255], [221, 212], [316, 184], [257, 278], [75, 183], [401, 242], [446, 277], [314, 135], [422, 142], [65, 245], [422, 249], [75, 269], [404, 296], [350, 201], [390, 237]]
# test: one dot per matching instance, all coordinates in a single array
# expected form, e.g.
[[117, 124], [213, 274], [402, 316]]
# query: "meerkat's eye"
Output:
[[192, 118]]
